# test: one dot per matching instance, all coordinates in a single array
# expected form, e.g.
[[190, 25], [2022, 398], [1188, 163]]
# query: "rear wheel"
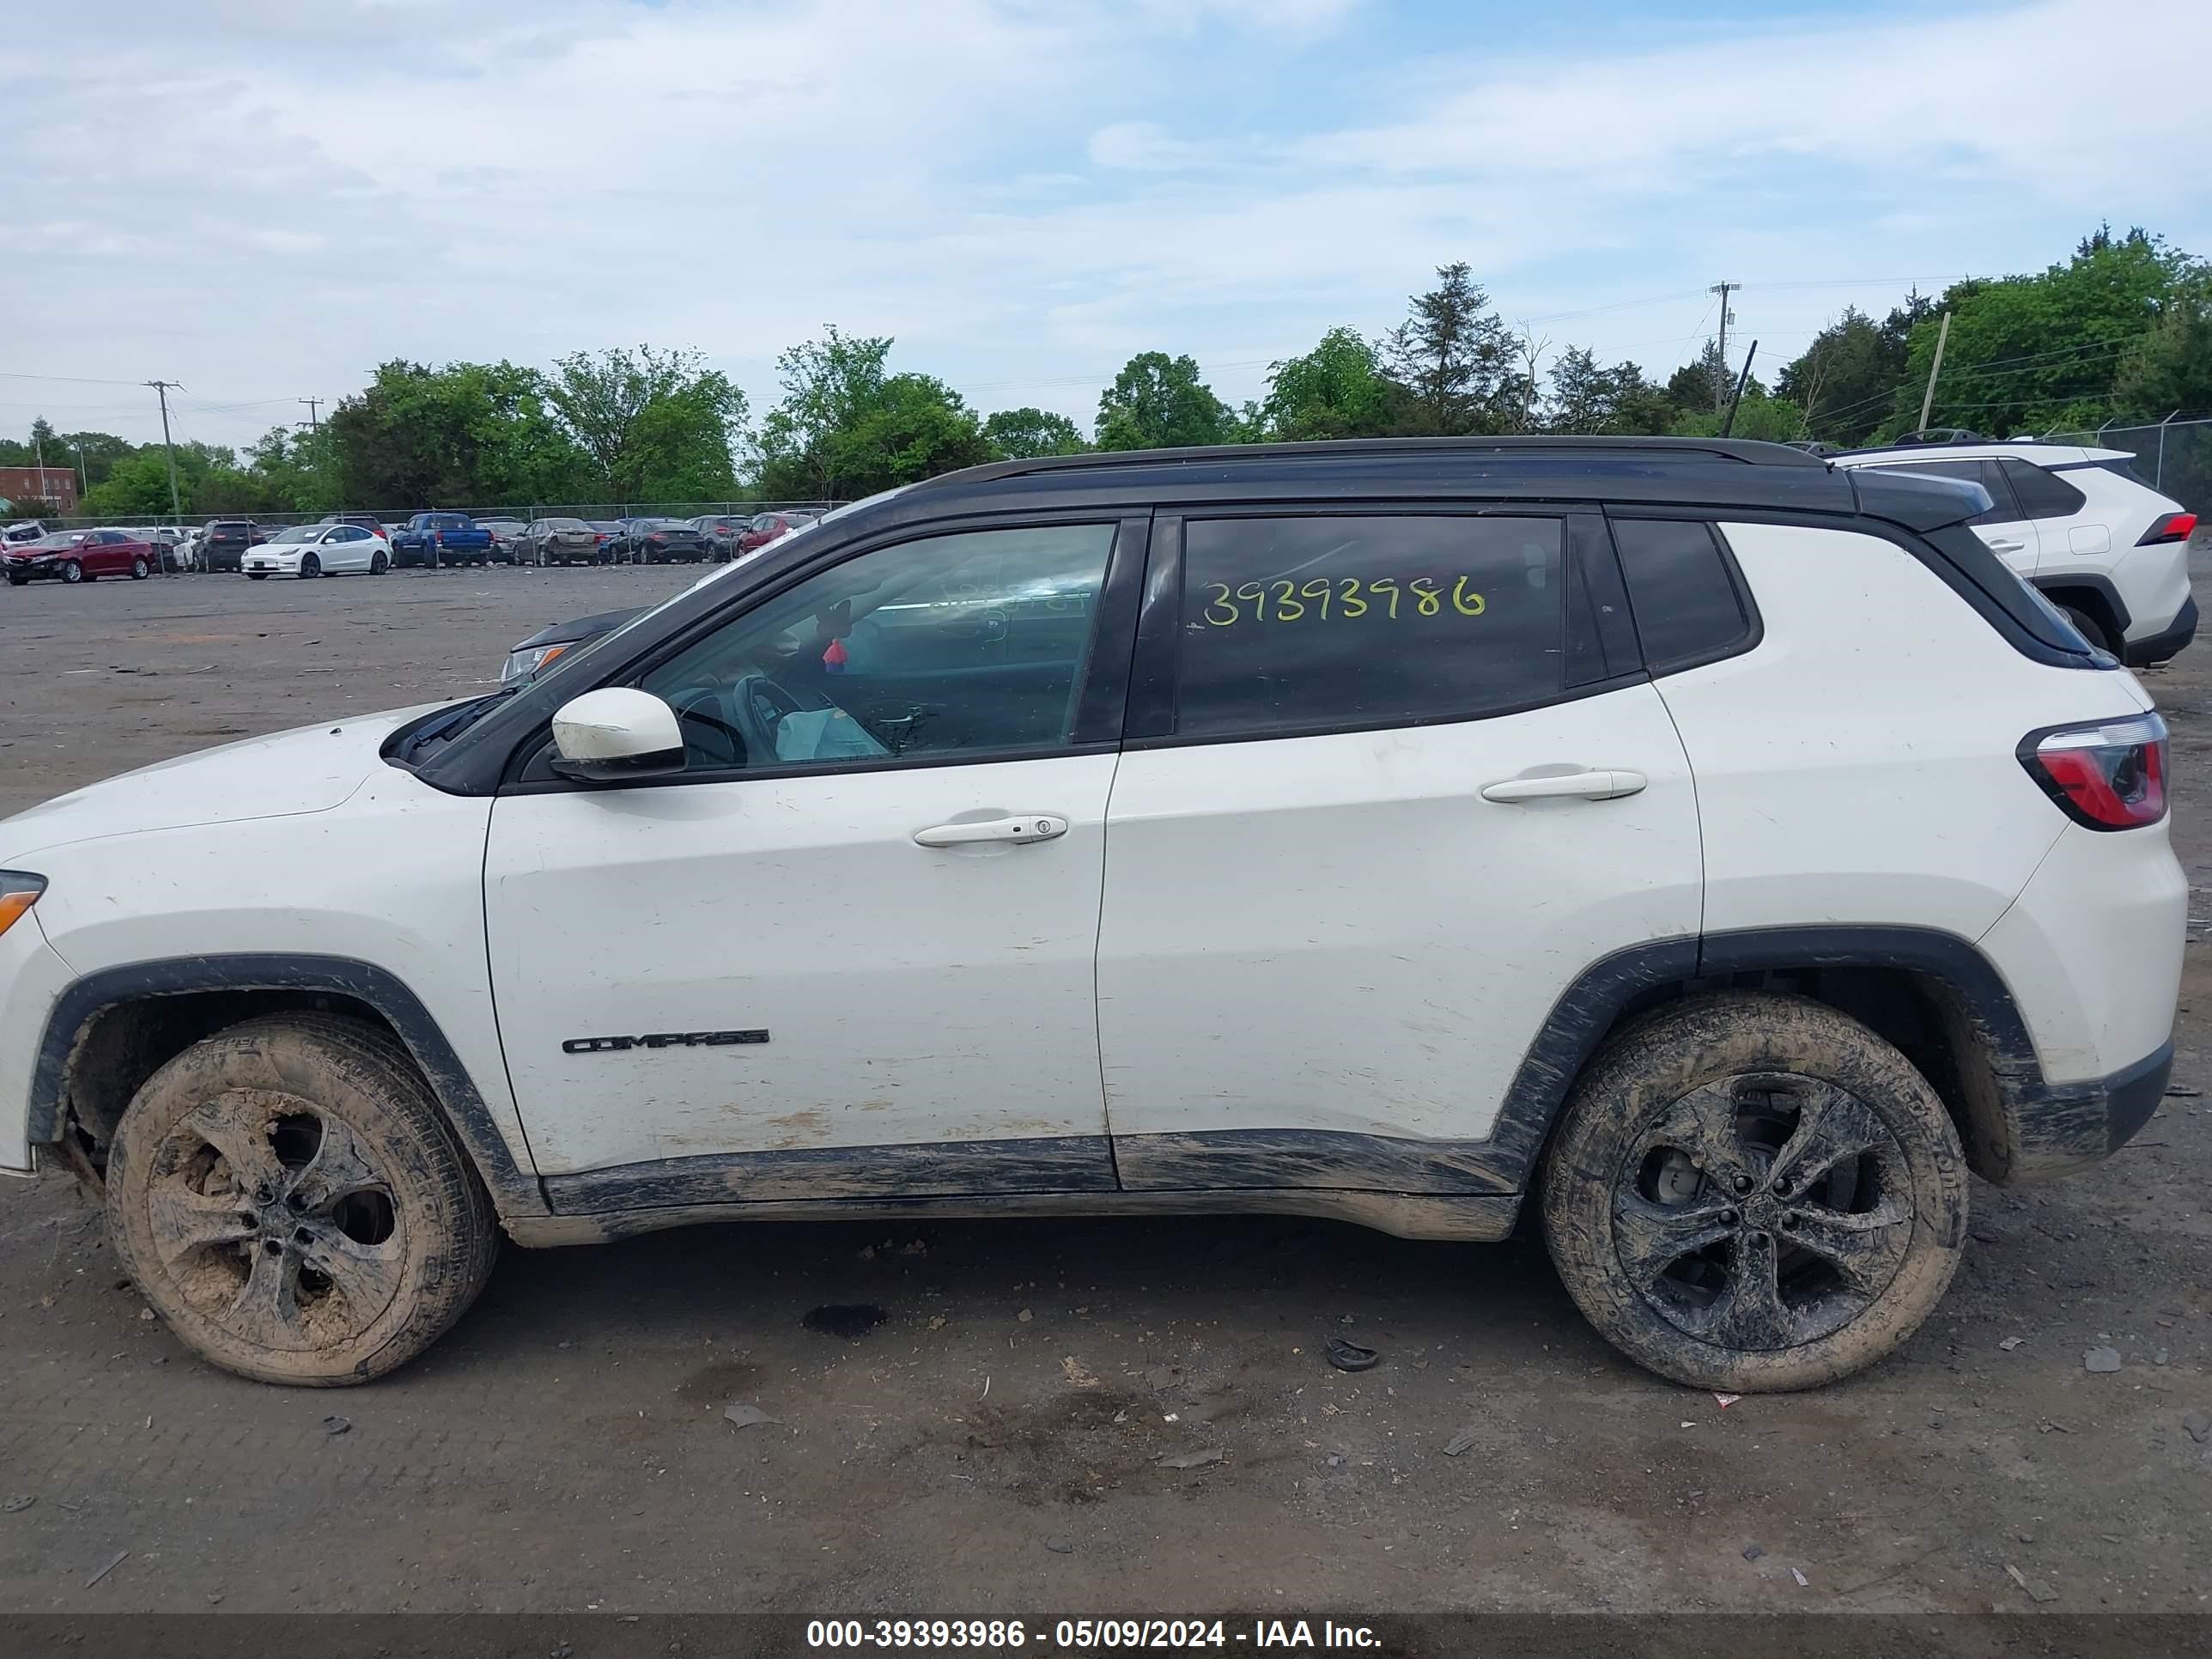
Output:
[[378, 565], [138, 570], [2090, 629], [1752, 1193], [288, 1197]]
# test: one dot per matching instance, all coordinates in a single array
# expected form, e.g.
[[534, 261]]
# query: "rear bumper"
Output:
[[2167, 642], [2060, 1128]]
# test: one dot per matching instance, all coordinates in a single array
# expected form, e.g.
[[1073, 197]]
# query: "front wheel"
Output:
[[1755, 1192], [310, 566], [72, 572], [287, 1196]]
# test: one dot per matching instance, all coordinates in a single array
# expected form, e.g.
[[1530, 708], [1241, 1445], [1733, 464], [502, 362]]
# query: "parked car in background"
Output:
[[432, 539], [25, 529], [319, 549], [223, 543], [664, 541], [79, 556], [505, 533], [556, 541], [604, 533], [770, 526], [548, 643], [2079, 525], [721, 531]]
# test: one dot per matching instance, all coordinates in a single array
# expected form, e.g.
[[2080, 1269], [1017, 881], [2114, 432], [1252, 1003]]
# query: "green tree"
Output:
[[465, 435], [846, 427], [1776, 420], [1158, 401], [917, 428], [1846, 380], [2031, 353], [1586, 397], [295, 472], [657, 426], [827, 384], [1338, 390], [1454, 360], [2168, 369], [1020, 434]]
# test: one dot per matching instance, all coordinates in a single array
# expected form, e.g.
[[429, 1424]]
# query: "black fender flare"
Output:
[[513, 1189]]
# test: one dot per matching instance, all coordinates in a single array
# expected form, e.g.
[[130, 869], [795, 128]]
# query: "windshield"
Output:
[[568, 659], [298, 532]]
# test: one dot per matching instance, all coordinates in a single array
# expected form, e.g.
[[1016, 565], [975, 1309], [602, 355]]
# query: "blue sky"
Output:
[[261, 198]]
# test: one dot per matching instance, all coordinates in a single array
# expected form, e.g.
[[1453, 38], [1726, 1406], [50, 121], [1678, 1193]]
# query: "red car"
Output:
[[80, 555], [768, 527]]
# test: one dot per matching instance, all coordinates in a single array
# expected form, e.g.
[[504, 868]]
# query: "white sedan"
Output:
[[319, 549]]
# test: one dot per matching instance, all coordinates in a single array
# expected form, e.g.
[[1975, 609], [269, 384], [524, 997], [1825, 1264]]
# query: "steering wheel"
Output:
[[758, 704]]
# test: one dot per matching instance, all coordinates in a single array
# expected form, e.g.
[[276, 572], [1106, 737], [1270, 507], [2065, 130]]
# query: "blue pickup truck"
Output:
[[431, 539]]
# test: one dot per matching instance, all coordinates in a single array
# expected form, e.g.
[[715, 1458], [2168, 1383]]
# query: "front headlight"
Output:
[[521, 665], [19, 891]]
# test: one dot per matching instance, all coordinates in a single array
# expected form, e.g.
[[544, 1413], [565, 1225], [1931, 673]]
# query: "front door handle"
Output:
[[1030, 826], [1605, 785], [2007, 547]]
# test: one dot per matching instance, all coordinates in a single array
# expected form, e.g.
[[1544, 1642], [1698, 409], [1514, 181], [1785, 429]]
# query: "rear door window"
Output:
[[1294, 625], [2004, 506], [2041, 495]]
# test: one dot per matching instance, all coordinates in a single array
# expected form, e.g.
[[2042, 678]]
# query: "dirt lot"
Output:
[[991, 1445]]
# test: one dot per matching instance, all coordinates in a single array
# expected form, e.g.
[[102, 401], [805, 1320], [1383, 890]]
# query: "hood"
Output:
[[311, 770]]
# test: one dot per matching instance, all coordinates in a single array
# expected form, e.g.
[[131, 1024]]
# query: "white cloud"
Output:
[[1022, 190]]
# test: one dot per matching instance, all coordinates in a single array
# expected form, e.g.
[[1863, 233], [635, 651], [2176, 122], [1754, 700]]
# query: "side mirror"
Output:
[[616, 734]]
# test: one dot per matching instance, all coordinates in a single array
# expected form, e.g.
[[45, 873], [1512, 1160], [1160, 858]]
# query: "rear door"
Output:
[[1393, 782], [109, 553]]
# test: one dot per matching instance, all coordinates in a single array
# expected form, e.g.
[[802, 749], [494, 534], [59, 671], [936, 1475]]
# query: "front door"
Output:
[[850, 951], [1406, 801]]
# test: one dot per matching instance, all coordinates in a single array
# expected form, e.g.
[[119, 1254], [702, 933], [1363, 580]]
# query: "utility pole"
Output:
[[1720, 386], [83, 473], [314, 421], [161, 391], [1928, 398], [39, 449]]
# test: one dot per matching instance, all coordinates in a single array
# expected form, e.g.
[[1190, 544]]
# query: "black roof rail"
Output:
[[1746, 451], [1938, 434]]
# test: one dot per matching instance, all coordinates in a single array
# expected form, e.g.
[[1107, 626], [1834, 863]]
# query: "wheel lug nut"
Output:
[[1729, 1218], [1742, 1183], [1790, 1220], [1782, 1188]]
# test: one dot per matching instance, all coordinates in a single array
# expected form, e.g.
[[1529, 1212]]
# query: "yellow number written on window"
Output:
[[1328, 599]]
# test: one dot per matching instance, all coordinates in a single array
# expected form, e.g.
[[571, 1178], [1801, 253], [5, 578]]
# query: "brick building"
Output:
[[57, 484]]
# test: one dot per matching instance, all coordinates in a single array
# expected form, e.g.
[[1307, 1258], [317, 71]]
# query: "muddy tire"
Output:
[[1755, 1192], [287, 1196]]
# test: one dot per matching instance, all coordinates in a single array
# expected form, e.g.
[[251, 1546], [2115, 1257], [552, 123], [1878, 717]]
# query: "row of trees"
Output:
[[2122, 330]]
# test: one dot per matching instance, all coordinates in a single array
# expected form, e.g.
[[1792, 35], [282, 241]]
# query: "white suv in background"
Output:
[[1716, 851], [2101, 544]]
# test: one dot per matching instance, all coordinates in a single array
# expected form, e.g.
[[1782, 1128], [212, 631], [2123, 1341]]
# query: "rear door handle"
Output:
[[1605, 785], [1030, 826]]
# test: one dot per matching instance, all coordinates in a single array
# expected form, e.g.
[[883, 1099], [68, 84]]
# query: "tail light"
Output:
[[2169, 527], [2111, 775]]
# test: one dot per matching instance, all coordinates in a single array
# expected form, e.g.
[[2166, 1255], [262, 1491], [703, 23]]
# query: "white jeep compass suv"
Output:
[[1715, 846], [2098, 542]]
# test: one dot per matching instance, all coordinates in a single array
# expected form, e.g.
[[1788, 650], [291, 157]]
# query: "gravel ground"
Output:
[[995, 1443]]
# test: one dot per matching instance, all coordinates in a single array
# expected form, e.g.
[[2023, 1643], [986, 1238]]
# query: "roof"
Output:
[[1704, 472]]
